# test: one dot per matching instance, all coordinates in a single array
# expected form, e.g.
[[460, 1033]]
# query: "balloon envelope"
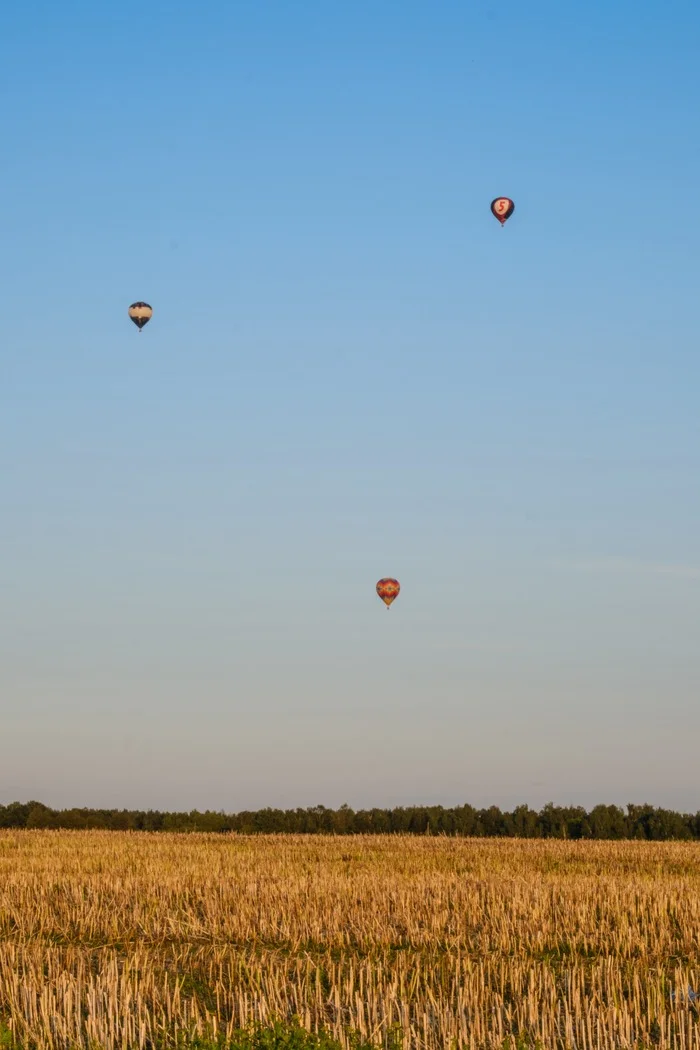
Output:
[[140, 314], [388, 589]]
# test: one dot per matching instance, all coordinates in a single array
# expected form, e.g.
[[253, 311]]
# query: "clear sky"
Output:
[[352, 372]]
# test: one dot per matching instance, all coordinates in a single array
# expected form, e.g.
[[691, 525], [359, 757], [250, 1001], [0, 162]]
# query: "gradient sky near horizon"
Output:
[[351, 372]]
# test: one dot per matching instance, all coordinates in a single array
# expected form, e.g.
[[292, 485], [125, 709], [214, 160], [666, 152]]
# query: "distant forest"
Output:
[[560, 822]]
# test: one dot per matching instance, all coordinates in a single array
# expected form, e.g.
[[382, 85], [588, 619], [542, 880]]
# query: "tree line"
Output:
[[560, 822]]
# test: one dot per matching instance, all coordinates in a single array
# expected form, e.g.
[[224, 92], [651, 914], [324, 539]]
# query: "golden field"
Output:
[[121, 939]]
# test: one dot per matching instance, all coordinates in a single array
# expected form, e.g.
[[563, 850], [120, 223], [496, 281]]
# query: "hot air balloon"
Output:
[[140, 314], [388, 589], [502, 208]]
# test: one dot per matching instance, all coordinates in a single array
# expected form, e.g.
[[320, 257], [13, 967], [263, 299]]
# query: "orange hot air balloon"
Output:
[[502, 208], [388, 589]]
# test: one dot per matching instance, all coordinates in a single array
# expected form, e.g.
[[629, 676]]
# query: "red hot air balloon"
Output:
[[388, 589], [502, 208]]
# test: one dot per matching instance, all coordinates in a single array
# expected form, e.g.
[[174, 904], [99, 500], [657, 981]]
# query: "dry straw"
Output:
[[127, 939]]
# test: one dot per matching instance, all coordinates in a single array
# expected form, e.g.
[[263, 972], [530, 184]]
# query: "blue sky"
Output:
[[351, 372]]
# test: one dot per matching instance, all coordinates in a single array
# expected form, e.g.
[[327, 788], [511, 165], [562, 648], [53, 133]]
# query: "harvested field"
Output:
[[131, 939]]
